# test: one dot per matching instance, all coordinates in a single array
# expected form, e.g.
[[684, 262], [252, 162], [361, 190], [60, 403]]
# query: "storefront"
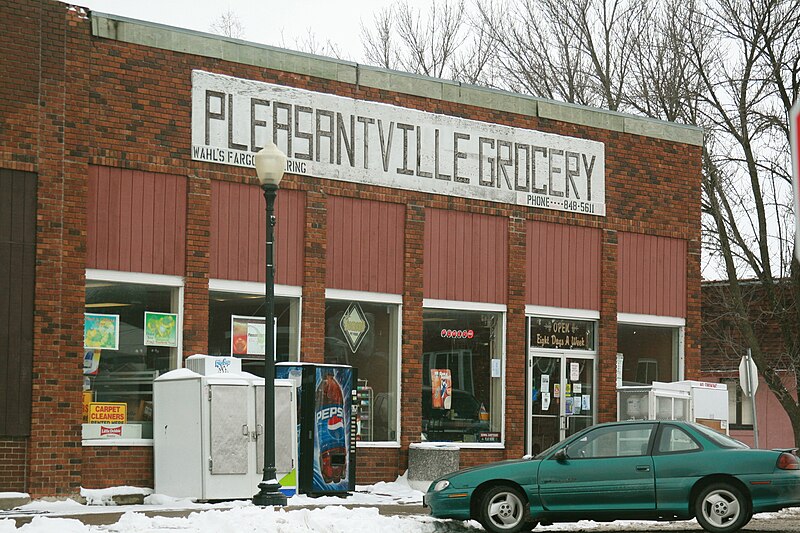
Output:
[[492, 264]]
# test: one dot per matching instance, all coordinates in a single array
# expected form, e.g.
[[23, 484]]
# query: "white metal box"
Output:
[[208, 433]]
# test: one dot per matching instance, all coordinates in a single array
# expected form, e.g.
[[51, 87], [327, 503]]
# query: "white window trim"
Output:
[[455, 305], [388, 299], [650, 320], [253, 287], [561, 312], [364, 296], [140, 278], [134, 277]]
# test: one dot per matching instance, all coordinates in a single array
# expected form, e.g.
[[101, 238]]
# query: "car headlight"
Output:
[[441, 485]]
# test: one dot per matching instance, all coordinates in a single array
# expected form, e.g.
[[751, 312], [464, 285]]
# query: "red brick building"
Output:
[[723, 349], [511, 244]]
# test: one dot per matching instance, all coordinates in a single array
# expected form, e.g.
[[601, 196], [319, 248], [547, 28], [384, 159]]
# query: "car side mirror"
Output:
[[561, 455]]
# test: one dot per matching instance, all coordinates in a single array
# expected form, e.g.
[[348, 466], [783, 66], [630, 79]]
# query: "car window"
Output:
[[673, 440], [614, 441], [719, 439]]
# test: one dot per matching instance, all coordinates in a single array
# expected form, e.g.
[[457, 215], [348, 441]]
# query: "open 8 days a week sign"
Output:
[[341, 138]]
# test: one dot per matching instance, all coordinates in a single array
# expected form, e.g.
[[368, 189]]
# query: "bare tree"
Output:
[[228, 24], [310, 43], [441, 43], [749, 78]]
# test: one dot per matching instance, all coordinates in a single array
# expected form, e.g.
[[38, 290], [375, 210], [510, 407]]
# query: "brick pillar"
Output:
[[315, 243], [516, 351], [411, 369], [54, 447], [198, 246], [607, 334]]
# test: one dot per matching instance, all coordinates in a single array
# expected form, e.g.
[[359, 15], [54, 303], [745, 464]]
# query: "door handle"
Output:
[[643, 468]]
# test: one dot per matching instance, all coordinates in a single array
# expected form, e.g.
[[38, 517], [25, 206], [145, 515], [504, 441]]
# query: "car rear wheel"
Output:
[[505, 510], [722, 508]]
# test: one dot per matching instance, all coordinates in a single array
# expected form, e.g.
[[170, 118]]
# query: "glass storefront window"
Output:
[[364, 335], [230, 310], [131, 333], [650, 353], [461, 376]]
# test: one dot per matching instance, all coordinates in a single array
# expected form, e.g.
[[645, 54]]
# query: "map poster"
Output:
[[101, 331]]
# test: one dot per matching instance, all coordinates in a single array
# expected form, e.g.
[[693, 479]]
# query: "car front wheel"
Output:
[[722, 508], [505, 510]]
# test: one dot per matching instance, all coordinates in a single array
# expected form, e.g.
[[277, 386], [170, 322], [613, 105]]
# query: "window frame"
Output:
[[397, 346], [177, 305], [502, 309], [256, 288], [678, 327], [740, 401]]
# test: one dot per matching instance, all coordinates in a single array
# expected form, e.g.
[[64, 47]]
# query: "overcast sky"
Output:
[[264, 21]]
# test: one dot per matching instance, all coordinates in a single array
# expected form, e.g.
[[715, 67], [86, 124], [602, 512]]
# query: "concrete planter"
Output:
[[428, 461]]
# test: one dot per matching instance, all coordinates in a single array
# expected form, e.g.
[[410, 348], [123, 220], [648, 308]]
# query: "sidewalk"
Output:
[[107, 506], [110, 515]]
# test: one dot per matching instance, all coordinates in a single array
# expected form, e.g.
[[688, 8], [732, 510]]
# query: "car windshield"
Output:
[[720, 439]]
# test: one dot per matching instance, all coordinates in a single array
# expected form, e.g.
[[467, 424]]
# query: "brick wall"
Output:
[[104, 102], [113, 466], [13, 451]]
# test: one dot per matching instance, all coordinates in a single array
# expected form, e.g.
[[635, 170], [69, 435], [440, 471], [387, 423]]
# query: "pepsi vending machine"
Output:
[[326, 432]]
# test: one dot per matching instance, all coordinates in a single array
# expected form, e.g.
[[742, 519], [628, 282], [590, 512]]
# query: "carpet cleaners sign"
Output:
[[379, 144]]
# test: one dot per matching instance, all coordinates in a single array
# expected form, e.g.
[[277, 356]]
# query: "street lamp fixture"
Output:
[[270, 164]]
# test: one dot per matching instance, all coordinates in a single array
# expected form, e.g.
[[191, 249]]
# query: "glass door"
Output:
[[562, 397], [545, 395], [578, 394]]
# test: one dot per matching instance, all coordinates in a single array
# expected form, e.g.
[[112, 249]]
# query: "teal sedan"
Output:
[[636, 470]]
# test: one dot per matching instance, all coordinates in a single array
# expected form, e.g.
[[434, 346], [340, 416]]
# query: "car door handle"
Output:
[[643, 468]]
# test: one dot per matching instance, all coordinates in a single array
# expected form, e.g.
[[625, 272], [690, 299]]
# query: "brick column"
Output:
[[607, 335], [411, 366], [198, 246], [54, 447], [516, 351], [315, 243]]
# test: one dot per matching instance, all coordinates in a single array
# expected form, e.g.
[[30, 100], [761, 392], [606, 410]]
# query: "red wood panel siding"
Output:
[[465, 257], [365, 245], [563, 266], [136, 221], [239, 234], [652, 275], [17, 291]]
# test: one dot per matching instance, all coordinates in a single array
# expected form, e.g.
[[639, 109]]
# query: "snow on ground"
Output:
[[242, 516]]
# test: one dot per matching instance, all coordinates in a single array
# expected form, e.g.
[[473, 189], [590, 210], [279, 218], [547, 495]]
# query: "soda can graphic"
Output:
[[331, 434]]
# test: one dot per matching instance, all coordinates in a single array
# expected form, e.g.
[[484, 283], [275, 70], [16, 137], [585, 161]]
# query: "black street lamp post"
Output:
[[270, 164]]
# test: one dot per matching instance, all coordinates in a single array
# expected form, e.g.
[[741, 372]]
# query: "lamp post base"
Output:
[[269, 494]]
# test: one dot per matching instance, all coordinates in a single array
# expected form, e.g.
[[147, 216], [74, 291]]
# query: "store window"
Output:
[[132, 334], [236, 327], [461, 376], [365, 335], [740, 407], [650, 353]]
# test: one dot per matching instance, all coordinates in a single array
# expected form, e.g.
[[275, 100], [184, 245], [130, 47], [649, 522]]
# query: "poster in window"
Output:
[[441, 388], [248, 335], [101, 331], [160, 329]]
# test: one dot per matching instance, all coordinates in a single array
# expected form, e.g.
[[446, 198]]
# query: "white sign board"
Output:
[[794, 135], [360, 141]]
